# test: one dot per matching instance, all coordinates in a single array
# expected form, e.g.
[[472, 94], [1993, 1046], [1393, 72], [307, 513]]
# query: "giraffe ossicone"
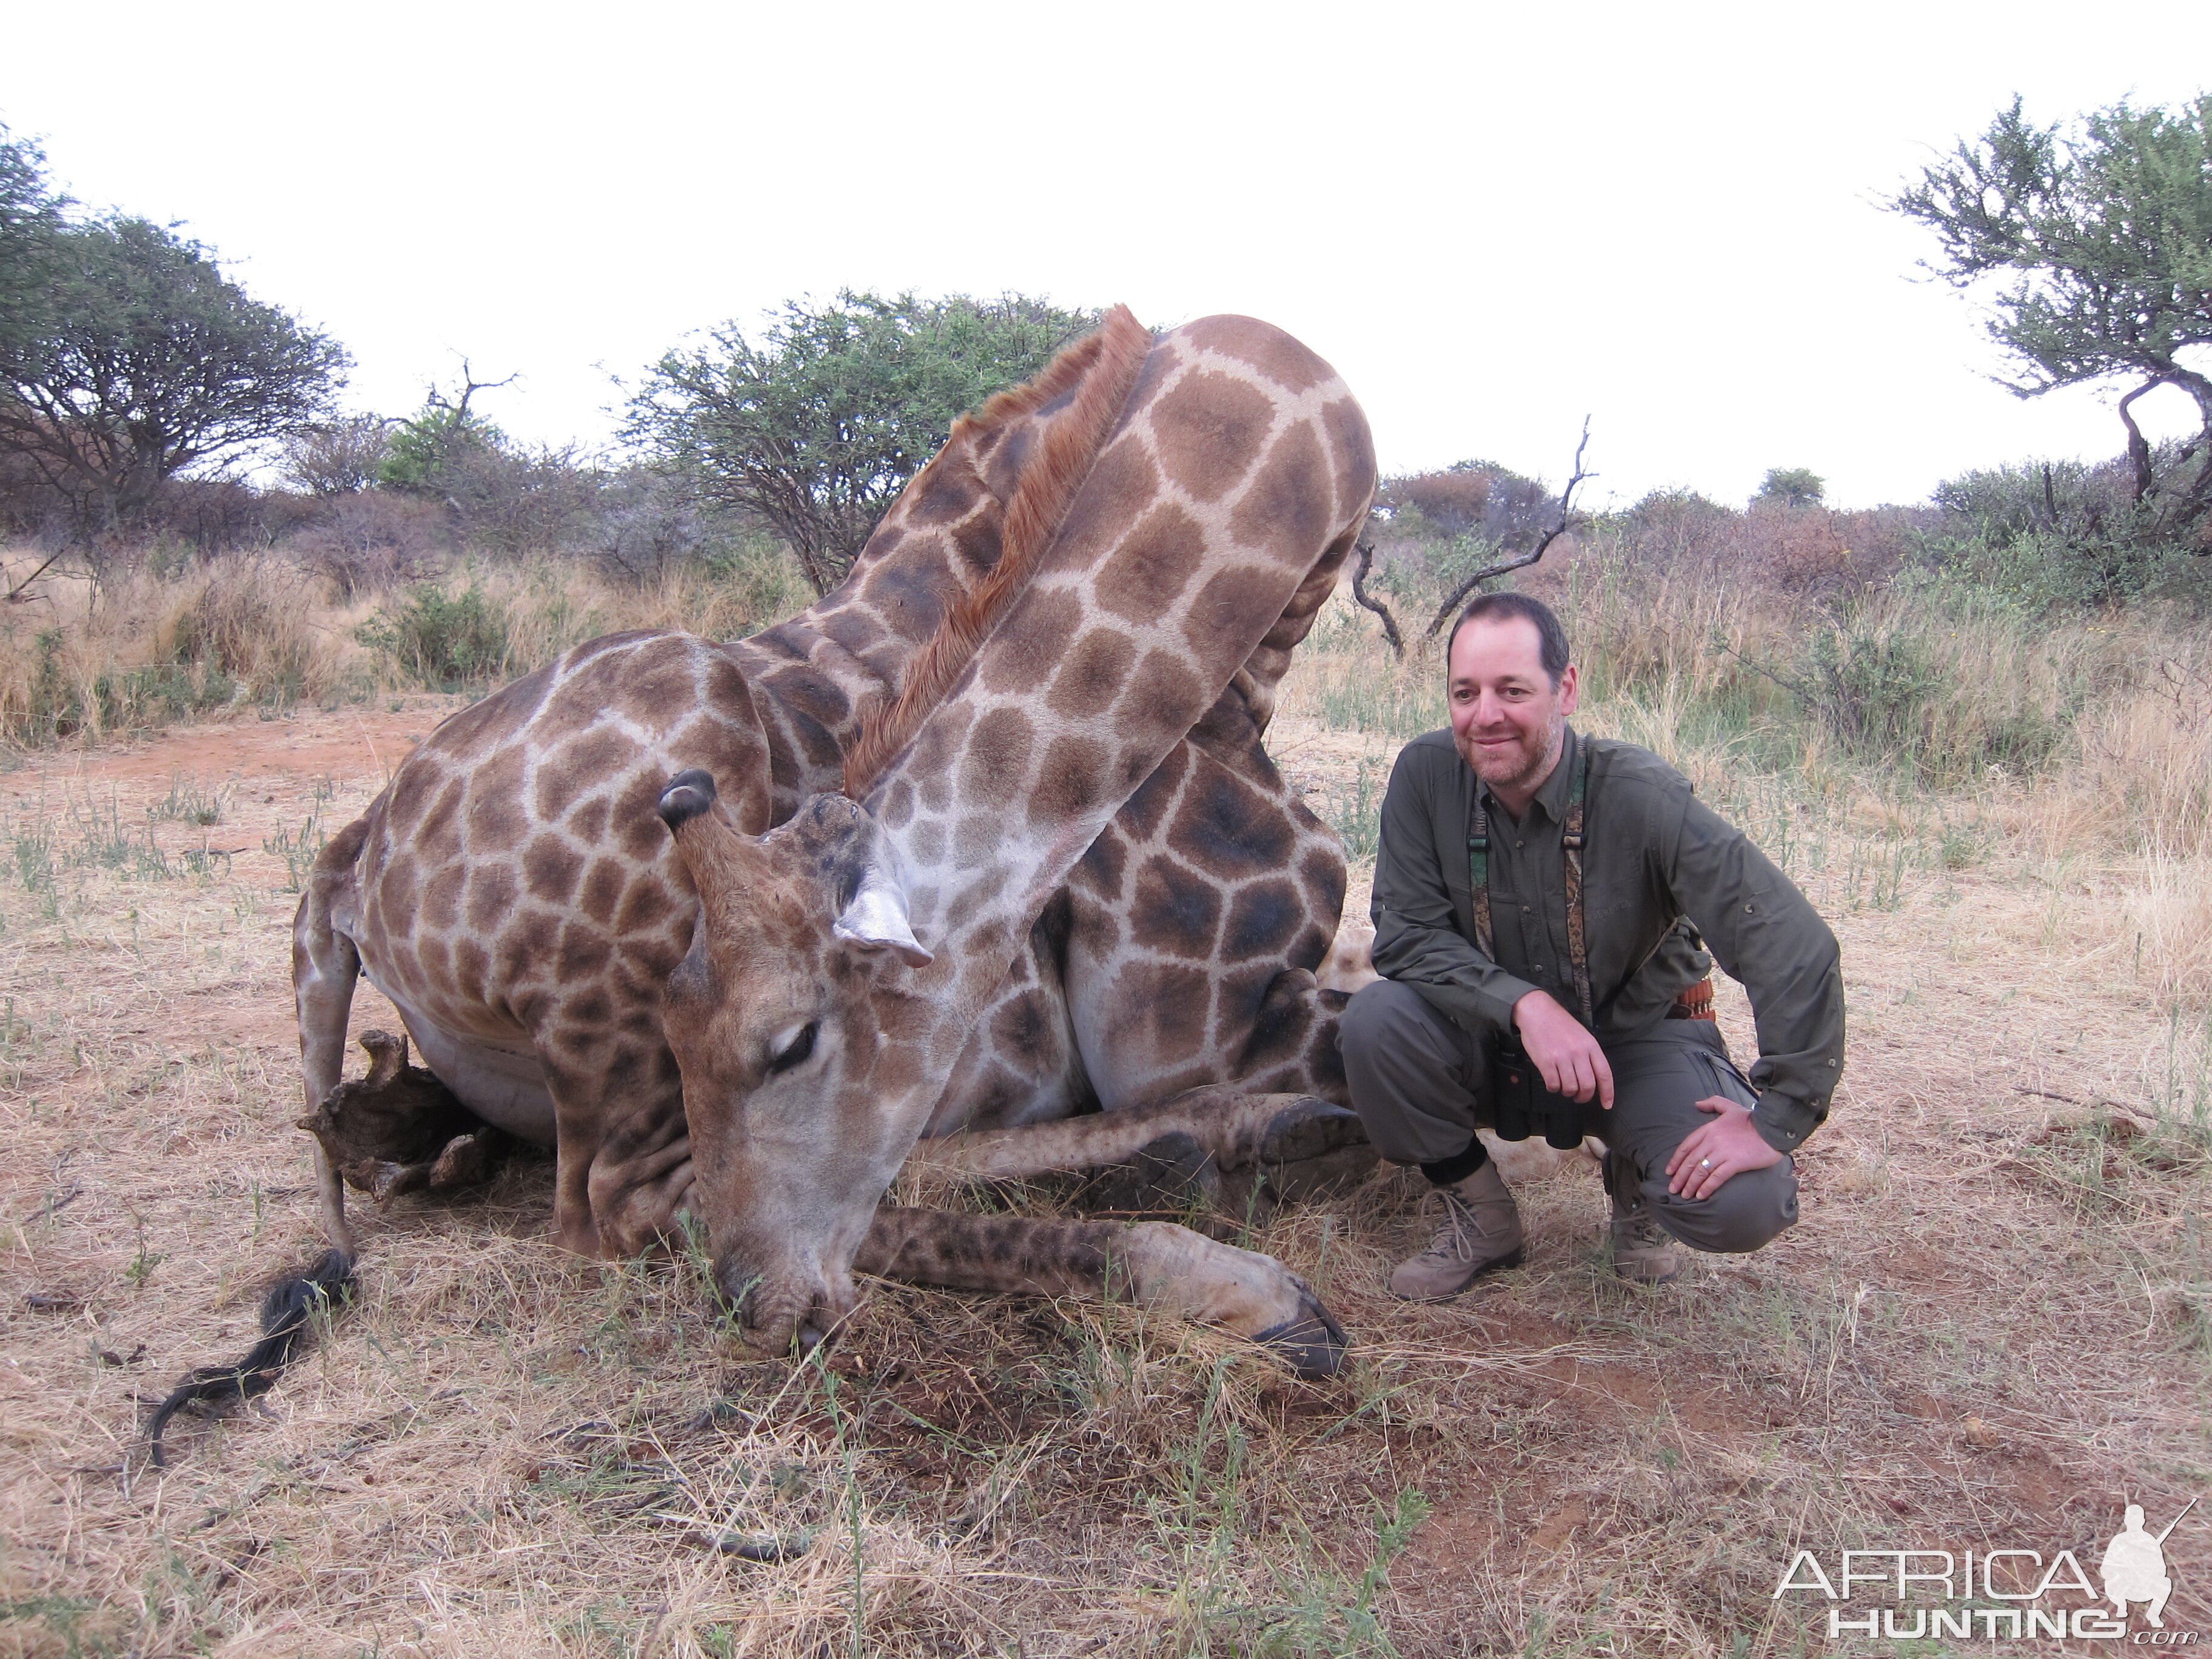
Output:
[[983, 842]]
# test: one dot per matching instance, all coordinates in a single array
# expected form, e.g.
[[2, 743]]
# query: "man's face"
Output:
[[1507, 719]]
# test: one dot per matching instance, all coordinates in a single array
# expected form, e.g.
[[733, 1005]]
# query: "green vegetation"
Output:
[[817, 425], [2103, 237], [1792, 486], [443, 641], [137, 360]]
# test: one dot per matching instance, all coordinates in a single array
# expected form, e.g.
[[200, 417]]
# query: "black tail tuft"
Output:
[[286, 1314]]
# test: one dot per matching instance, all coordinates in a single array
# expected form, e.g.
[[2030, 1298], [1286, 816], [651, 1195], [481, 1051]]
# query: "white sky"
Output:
[[1491, 219]]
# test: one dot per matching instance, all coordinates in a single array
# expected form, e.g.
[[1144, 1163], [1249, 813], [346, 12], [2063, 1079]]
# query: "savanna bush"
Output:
[[443, 641]]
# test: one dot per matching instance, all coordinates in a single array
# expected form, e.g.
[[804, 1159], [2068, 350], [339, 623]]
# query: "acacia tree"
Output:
[[1792, 486], [817, 425], [30, 215], [146, 361], [2107, 235]]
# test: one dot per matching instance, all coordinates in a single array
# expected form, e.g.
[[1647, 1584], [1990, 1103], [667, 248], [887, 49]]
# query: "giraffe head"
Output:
[[801, 1053]]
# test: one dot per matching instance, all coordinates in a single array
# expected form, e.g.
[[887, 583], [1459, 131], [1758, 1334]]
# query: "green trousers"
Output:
[[1418, 1081]]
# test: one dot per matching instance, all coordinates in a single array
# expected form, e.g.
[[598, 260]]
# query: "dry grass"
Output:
[[1991, 1327], [244, 636]]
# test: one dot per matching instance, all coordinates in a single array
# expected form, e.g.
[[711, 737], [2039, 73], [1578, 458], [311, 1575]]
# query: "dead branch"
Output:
[[1369, 602], [1522, 561], [470, 386], [15, 595]]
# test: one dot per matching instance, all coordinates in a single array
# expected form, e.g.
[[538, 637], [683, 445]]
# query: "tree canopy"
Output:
[[2103, 237], [1792, 486], [144, 360], [30, 214], [818, 423]]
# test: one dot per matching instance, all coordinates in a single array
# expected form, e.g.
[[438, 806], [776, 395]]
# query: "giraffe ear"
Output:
[[688, 795], [876, 920]]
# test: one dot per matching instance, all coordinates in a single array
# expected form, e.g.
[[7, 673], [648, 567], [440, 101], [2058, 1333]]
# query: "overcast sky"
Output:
[[1491, 220]]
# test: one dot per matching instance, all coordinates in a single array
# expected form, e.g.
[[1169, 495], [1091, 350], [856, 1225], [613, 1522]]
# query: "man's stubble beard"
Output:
[[1532, 769]]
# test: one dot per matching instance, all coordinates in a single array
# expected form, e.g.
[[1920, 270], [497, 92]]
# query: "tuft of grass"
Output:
[[299, 848]]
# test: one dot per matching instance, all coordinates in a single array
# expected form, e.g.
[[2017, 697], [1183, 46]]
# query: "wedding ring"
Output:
[[1705, 1163]]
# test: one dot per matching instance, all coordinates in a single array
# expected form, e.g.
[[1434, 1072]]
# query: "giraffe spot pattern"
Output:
[[1069, 782], [1287, 509], [1153, 565], [1177, 911], [1210, 430], [551, 866], [1092, 675], [491, 895], [1123, 485], [996, 763], [1262, 920], [1029, 656]]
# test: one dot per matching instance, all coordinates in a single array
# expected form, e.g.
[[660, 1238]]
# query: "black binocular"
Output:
[[1521, 1105]]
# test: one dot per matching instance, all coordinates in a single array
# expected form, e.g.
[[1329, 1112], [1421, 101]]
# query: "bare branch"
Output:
[[1369, 602], [470, 386], [1522, 561], [16, 595]]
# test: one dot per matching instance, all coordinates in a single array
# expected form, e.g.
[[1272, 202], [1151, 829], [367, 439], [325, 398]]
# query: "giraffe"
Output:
[[842, 959], [515, 894]]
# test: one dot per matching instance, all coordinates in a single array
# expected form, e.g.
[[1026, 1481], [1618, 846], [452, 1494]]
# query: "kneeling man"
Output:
[[1544, 907]]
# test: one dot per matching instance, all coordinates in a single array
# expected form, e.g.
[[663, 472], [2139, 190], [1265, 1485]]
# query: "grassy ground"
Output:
[[1991, 1329]]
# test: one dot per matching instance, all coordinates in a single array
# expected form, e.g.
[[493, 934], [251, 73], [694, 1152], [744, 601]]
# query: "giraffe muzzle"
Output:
[[779, 1312]]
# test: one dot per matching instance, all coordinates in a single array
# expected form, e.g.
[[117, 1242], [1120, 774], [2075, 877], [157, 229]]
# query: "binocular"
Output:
[[1520, 1102]]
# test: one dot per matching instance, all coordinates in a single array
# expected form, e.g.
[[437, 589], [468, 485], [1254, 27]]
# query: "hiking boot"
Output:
[[1481, 1230], [1643, 1252]]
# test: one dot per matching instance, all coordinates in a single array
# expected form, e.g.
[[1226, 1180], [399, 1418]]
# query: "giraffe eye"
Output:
[[791, 1047]]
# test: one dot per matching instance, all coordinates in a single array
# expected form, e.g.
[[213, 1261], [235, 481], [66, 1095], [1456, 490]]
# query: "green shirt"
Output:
[[1660, 870]]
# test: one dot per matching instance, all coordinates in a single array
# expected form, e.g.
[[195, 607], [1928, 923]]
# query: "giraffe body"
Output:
[[1122, 903]]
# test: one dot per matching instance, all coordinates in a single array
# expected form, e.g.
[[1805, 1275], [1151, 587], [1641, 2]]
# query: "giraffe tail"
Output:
[[288, 1321], [324, 966]]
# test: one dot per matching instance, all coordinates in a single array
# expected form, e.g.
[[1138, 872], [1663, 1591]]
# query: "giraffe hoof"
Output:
[[1312, 1147], [1310, 1342]]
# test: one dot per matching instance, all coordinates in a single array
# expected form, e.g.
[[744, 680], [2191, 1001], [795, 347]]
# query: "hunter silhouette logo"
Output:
[[2134, 1568], [1998, 1594]]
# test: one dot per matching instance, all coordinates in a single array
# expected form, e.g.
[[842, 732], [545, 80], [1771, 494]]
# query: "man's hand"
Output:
[[1713, 1152], [1563, 1050]]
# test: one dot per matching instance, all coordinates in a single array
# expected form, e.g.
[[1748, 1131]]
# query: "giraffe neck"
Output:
[[1164, 580], [832, 671]]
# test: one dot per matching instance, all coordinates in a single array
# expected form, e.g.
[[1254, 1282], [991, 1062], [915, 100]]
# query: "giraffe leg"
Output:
[[1299, 1145], [324, 967], [1154, 1264]]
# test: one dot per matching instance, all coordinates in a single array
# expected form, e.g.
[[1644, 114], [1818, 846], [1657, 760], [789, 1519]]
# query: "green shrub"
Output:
[[2050, 535], [444, 641]]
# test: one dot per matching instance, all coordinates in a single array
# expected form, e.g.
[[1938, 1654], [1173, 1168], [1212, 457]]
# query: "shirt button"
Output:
[[1520, 843], [1524, 909]]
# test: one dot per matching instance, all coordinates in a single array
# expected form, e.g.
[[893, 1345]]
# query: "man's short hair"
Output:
[[1551, 639]]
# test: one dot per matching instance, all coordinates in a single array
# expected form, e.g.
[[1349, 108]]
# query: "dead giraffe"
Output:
[[842, 959], [514, 894]]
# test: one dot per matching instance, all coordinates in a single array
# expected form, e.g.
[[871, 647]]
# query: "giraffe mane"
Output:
[[1100, 369]]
